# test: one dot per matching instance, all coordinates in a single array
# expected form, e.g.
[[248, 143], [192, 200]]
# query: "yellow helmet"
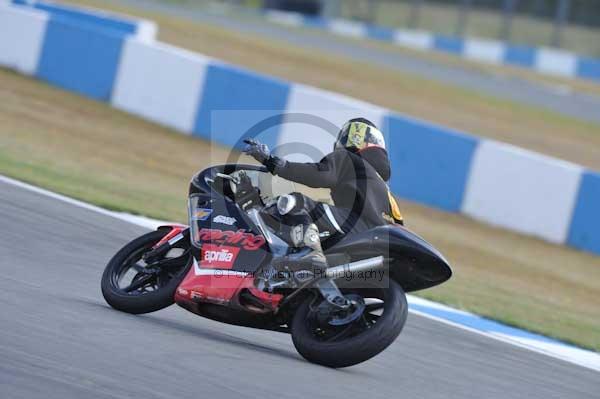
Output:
[[359, 133]]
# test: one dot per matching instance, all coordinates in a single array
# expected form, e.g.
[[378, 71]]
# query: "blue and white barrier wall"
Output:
[[140, 28], [69, 52], [331, 107], [196, 95], [160, 83], [545, 60], [521, 190]]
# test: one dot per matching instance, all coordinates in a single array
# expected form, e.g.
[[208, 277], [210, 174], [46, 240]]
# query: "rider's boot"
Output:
[[313, 252], [304, 234], [313, 259]]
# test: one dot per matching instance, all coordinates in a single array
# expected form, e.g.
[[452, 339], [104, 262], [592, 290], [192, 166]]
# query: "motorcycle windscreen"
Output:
[[200, 215]]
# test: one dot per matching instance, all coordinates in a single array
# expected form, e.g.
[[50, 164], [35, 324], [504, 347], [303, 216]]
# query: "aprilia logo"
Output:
[[223, 255], [218, 257]]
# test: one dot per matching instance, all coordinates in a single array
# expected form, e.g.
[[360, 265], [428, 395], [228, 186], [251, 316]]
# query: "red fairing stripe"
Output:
[[208, 288], [217, 286]]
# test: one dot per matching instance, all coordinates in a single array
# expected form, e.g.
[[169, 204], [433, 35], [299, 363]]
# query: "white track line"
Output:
[[560, 351], [127, 217]]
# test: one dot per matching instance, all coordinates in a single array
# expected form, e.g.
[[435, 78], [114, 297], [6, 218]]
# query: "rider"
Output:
[[356, 173]]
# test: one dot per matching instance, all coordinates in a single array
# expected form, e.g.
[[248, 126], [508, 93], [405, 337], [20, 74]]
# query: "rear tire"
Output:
[[148, 301], [355, 349]]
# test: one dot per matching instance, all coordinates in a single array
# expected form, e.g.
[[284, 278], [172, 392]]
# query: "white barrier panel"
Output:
[[489, 51], [330, 110], [347, 28], [419, 40], [285, 17], [556, 62], [146, 30], [21, 38], [522, 191], [160, 82]]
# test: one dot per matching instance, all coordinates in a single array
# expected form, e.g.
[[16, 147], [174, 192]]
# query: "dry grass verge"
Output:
[[87, 150]]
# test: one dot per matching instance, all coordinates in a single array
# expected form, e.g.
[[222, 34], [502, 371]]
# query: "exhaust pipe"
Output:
[[354, 267], [336, 272]]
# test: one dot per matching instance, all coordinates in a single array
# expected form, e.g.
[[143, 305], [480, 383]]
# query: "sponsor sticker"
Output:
[[225, 220], [201, 214], [240, 238], [218, 256]]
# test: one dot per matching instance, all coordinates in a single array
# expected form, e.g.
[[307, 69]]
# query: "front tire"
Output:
[[157, 294], [320, 348]]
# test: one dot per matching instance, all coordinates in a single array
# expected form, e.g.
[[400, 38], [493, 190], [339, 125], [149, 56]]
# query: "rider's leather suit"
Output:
[[357, 182]]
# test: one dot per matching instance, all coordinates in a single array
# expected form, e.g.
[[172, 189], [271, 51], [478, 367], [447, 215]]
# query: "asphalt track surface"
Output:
[[551, 97], [59, 339]]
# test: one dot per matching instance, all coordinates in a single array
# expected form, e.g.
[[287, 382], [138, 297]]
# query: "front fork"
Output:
[[168, 242], [332, 294], [329, 289]]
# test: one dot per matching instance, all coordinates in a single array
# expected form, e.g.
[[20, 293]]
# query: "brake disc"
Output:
[[327, 314]]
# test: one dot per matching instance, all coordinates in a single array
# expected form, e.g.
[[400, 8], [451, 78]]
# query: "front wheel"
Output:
[[132, 286], [336, 341]]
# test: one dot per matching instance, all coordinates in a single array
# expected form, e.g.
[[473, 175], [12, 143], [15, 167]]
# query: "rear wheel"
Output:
[[132, 286], [342, 339]]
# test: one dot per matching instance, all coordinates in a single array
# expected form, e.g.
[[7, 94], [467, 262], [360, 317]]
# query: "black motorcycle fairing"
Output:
[[227, 226], [413, 262]]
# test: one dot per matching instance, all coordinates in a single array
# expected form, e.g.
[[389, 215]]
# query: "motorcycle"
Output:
[[229, 265]]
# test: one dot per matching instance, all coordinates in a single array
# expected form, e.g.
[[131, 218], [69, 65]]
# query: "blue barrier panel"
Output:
[[80, 58], [254, 97], [315, 22], [519, 55], [588, 68], [430, 164], [584, 232], [448, 44], [84, 16], [380, 33]]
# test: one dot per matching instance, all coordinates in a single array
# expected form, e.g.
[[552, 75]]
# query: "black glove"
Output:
[[245, 184], [257, 150], [246, 195], [262, 154]]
